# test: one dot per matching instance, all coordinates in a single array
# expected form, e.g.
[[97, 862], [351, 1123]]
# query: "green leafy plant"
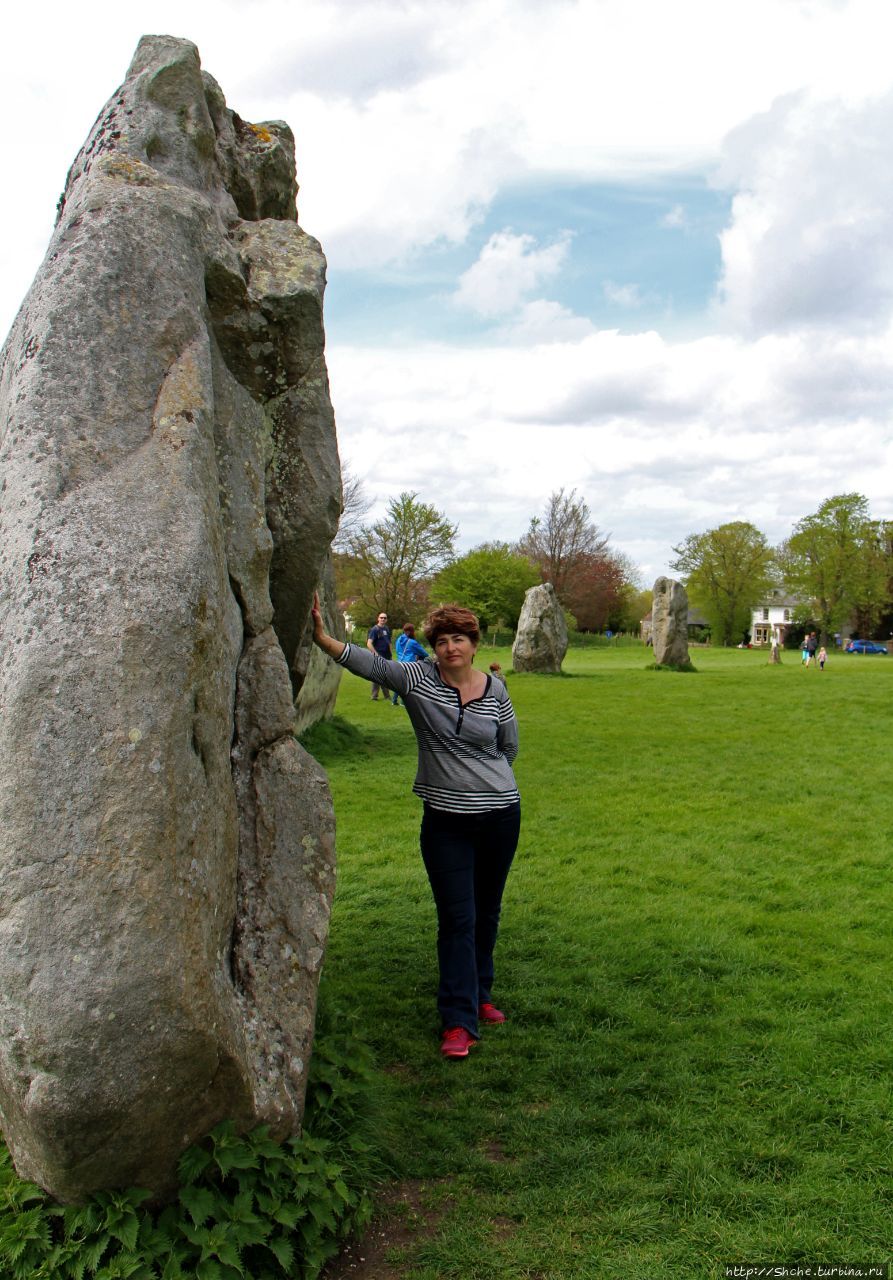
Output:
[[248, 1207]]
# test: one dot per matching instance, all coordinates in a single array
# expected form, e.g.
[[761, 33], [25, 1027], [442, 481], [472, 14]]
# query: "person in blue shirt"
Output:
[[408, 650]]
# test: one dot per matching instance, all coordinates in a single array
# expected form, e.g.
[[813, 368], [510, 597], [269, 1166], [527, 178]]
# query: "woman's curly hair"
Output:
[[452, 619]]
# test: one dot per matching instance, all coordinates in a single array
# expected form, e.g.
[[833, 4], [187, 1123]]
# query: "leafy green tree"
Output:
[[491, 580], [726, 571], [837, 558], [635, 606], [388, 565], [884, 626]]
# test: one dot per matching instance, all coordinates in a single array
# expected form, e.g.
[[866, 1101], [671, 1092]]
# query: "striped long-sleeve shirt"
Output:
[[465, 752]]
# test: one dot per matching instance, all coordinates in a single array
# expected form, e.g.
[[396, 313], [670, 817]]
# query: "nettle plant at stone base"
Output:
[[248, 1208]]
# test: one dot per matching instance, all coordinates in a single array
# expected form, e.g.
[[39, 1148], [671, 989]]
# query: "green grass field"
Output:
[[695, 958]]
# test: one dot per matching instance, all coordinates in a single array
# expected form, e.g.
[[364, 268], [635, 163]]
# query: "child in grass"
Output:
[[823, 658]]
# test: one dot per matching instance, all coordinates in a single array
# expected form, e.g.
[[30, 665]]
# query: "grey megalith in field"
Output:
[[541, 638], [170, 489], [669, 623]]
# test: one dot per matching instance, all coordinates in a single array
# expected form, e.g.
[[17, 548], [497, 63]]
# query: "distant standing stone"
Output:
[[669, 621], [541, 642]]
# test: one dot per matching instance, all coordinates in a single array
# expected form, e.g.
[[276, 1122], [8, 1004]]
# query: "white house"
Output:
[[774, 615]]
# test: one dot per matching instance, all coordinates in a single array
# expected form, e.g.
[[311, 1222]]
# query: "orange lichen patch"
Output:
[[128, 168], [260, 132]]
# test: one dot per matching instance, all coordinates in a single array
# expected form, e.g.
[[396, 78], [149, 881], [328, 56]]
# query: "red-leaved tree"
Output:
[[595, 591]]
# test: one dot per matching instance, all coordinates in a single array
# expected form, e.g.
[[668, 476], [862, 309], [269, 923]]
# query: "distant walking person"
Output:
[[804, 649], [812, 644], [823, 658], [467, 736], [408, 649], [379, 641]]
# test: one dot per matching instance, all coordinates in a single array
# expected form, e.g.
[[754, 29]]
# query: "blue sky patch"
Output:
[[642, 256]]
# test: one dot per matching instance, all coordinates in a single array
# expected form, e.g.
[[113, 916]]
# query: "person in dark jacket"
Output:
[[379, 641], [467, 737], [812, 643]]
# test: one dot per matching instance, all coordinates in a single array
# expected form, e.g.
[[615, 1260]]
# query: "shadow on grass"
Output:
[[339, 740], [334, 737], [556, 675], [671, 666], [544, 675]]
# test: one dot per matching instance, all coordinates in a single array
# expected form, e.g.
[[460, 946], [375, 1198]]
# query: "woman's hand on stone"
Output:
[[334, 648], [319, 631]]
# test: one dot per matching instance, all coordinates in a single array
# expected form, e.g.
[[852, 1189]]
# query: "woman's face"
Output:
[[455, 651]]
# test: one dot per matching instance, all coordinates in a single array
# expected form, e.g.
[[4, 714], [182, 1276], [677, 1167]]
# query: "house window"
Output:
[[787, 615], [765, 615]]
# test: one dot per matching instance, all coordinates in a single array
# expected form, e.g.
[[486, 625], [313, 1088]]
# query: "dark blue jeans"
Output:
[[467, 857]]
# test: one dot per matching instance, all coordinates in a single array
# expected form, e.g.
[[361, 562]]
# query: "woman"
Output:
[[408, 650], [467, 737]]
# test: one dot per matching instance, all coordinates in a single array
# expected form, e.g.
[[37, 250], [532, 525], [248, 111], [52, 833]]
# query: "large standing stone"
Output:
[[170, 488], [669, 623], [541, 639]]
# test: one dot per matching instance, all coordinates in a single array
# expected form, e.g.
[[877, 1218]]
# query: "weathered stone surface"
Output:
[[170, 486], [669, 623], [286, 879], [541, 639], [317, 676]]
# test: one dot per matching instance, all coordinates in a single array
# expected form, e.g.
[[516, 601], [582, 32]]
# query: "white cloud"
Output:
[[463, 98], [663, 439], [508, 268], [355, 54], [811, 236], [410, 118], [545, 321]]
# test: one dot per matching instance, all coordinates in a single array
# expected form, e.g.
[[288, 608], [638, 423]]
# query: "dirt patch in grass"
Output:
[[399, 1071], [501, 1227], [405, 1216]]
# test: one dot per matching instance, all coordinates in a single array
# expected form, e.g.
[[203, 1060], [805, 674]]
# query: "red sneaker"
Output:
[[455, 1042], [488, 1012]]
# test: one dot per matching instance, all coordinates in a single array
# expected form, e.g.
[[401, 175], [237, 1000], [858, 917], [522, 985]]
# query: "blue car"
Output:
[[864, 646]]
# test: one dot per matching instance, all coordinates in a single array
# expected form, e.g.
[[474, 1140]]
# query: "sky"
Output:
[[639, 249]]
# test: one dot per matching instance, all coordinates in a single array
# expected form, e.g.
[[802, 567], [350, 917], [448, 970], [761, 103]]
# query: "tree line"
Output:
[[406, 561], [837, 563]]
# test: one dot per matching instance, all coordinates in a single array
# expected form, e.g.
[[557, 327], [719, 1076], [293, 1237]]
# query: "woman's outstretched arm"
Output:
[[396, 676]]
